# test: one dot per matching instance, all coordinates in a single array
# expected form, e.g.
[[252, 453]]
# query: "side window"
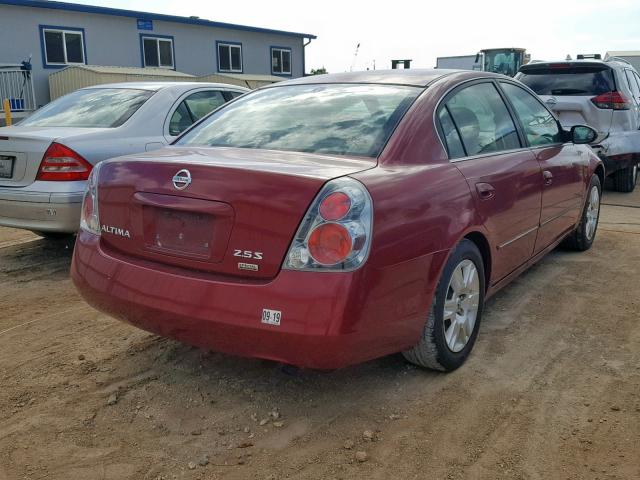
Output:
[[234, 94], [632, 83], [540, 127], [483, 120], [451, 137], [193, 108], [202, 103], [637, 77], [180, 120]]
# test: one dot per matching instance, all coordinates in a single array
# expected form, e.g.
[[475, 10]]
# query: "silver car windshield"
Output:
[[340, 119], [94, 107]]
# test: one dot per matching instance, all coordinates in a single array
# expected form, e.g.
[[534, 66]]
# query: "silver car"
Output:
[[603, 94], [46, 159]]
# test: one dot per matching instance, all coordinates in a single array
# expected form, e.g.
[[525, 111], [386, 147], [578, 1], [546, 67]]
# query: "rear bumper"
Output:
[[619, 150], [31, 209], [329, 320]]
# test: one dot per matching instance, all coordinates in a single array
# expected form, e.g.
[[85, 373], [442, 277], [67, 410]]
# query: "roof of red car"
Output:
[[417, 77]]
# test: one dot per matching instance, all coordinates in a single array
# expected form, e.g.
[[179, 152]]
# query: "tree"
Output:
[[318, 71]]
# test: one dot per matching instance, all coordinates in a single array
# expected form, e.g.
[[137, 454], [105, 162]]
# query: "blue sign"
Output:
[[145, 24]]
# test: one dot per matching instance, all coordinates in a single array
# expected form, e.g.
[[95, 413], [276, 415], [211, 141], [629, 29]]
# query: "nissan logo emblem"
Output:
[[182, 179]]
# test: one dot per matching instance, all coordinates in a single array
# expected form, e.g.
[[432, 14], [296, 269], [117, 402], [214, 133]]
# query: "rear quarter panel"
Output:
[[422, 209]]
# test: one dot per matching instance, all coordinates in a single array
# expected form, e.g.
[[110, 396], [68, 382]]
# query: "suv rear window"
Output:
[[567, 79]]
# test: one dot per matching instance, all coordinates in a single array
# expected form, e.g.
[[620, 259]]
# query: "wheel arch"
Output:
[[599, 171], [480, 241]]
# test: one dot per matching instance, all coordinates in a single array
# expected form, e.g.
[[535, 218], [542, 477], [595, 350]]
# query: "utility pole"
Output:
[[355, 57]]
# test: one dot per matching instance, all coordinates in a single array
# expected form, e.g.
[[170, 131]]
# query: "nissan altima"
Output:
[[330, 220]]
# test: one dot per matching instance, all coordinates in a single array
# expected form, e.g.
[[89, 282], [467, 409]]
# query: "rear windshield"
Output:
[[340, 119], [571, 80], [94, 107]]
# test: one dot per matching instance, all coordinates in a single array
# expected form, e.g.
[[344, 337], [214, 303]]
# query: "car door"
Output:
[[503, 175], [634, 87], [563, 165], [191, 108]]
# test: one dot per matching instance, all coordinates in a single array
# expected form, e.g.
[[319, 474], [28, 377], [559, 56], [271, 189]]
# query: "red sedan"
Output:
[[329, 220]]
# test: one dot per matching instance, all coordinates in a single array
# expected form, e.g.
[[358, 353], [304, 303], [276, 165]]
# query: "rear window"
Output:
[[568, 80], [94, 107], [340, 119]]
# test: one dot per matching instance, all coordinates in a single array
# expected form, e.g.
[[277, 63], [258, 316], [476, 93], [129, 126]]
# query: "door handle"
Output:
[[485, 191], [548, 177]]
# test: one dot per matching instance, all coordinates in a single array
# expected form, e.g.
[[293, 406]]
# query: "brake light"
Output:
[[335, 206], [60, 163], [89, 218], [612, 101], [330, 243], [335, 233]]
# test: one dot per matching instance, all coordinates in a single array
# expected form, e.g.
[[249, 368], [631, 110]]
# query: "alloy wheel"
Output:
[[461, 305], [593, 211]]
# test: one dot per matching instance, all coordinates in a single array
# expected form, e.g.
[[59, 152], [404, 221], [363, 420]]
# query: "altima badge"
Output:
[[121, 232], [182, 179]]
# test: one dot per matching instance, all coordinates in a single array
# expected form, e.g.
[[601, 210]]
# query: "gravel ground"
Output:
[[552, 390]]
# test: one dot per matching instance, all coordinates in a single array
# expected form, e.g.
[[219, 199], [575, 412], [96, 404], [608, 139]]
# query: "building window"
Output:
[[229, 57], [280, 61], [62, 45], [157, 52]]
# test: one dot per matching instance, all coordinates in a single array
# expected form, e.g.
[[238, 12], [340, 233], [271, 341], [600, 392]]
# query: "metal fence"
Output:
[[16, 85]]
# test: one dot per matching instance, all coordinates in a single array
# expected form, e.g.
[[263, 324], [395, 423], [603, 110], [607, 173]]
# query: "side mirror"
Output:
[[581, 134]]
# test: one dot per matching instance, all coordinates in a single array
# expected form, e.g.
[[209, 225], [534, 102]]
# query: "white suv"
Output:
[[602, 94]]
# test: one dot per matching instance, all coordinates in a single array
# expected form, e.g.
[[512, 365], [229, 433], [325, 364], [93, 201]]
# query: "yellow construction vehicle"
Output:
[[506, 61]]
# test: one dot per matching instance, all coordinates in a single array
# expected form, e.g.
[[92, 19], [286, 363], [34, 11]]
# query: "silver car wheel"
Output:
[[461, 305], [593, 210]]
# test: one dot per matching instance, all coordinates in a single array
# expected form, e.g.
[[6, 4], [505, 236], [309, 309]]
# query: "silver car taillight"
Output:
[[89, 218], [335, 233]]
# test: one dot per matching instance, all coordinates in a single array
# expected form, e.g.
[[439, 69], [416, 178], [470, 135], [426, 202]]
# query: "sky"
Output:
[[423, 30]]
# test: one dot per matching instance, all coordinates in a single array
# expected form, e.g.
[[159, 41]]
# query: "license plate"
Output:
[[6, 166], [180, 232]]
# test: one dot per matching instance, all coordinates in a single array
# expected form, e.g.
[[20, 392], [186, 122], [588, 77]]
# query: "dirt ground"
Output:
[[552, 390]]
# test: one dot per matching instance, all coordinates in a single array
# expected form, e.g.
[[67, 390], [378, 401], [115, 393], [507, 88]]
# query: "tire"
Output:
[[583, 236], [625, 179], [434, 350]]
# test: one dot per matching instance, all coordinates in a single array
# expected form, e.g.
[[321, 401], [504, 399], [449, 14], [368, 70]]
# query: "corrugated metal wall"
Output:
[[70, 79]]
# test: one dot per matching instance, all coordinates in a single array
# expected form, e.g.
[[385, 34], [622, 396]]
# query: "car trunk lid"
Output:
[[236, 216], [22, 149], [579, 110]]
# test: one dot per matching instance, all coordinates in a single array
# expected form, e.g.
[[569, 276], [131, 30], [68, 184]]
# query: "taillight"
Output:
[[89, 218], [60, 163], [612, 101], [335, 233], [329, 243], [335, 206]]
